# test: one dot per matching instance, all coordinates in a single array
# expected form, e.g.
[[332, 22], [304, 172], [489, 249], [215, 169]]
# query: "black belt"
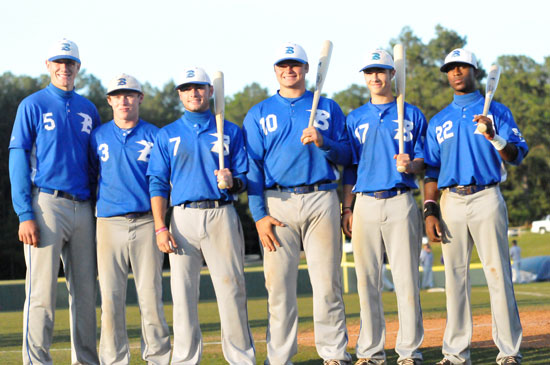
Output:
[[135, 215], [207, 204], [60, 194], [385, 194], [305, 189], [469, 189]]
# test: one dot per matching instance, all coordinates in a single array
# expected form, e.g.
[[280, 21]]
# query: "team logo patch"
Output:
[[86, 123], [65, 47], [376, 56], [408, 127], [456, 53], [216, 145], [146, 151], [190, 73], [121, 82], [289, 50]]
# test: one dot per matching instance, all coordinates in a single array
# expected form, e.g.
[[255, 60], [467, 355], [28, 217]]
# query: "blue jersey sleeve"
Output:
[[350, 175], [507, 128], [239, 158], [158, 170], [256, 151], [21, 188], [337, 147]]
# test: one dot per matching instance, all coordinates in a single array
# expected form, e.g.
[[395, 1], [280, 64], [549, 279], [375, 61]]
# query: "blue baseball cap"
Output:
[[64, 49], [378, 59]]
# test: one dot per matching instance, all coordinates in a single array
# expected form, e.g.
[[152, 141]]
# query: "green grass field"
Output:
[[529, 296]]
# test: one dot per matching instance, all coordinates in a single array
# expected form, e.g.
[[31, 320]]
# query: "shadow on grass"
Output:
[[479, 356]]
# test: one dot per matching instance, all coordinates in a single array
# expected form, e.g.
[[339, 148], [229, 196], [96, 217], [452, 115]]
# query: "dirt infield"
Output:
[[536, 331]]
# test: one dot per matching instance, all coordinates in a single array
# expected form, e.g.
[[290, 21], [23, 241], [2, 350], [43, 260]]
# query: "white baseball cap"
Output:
[[64, 49], [290, 51], [378, 59], [124, 82], [459, 55], [193, 75]]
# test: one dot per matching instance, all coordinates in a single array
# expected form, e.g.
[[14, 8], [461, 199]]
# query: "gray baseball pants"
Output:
[[122, 242], [314, 220], [66, 230], [218, 235], [392, 225], [480, 218]]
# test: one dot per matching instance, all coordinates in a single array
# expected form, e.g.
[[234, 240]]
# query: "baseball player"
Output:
[[125, 229], [426, 261], [293, 200], [184, 164], [386, 216], [466, 166], [50, 185]]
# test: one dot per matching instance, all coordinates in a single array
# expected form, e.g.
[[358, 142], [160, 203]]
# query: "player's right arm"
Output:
[[256, 183], [350, 177], [431, 210], [22, 138], [21, 192], [158, 172]]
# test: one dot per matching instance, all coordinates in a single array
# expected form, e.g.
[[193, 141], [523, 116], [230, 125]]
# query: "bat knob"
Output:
[[401, 169], [481, 127], [222, 185]]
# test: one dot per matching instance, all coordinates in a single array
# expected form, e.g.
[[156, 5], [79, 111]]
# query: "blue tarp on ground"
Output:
[[537, 266]]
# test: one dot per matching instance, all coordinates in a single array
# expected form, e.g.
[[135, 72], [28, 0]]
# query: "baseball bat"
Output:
[[322, 68], [399, 60], [492, 83], [219, 106]]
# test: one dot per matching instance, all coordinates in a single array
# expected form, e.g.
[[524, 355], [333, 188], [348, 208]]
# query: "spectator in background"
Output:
[[427, 260], [515, 256]]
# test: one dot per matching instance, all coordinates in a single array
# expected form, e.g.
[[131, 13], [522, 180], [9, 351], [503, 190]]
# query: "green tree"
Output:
[[240, 103]]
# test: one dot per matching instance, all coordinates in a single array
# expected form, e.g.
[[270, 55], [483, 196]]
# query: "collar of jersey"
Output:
[[199, 121], [382, 108], [293, 100], [61, 93], [127, 131], [466, 99]]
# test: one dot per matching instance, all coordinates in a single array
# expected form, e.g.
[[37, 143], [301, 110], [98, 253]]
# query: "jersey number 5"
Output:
[[49, 123]]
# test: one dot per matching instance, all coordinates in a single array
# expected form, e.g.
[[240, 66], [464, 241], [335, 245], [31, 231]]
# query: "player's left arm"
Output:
[[414, 162], [335, 141], [507, 139], [235, 175]]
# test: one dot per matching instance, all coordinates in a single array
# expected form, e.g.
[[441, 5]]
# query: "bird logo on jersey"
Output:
[[86, 123], [216, 144], [146, 151], [321, 120], [408, 127]]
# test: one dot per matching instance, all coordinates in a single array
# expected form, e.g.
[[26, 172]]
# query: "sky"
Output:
[[155, 40]]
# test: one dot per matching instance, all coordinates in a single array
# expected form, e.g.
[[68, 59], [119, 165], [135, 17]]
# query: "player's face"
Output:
[[63, 73], [291, 74], [125, 105], [379, 81], [462, 78], [195, 97]]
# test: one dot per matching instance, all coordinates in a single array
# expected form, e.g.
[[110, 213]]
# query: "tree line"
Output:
[[524, 87]]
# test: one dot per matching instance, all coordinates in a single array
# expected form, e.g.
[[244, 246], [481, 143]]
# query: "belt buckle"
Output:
[[300, 189]]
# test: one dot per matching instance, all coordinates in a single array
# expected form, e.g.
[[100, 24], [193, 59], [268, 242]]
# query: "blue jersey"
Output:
[[121, 157], [277, 156], [374, 139], [55, 126], [185, 156], [457, 154]]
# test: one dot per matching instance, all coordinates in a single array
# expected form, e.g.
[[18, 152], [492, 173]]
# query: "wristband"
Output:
[[498, 142], [160, 230], [431, 209]]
